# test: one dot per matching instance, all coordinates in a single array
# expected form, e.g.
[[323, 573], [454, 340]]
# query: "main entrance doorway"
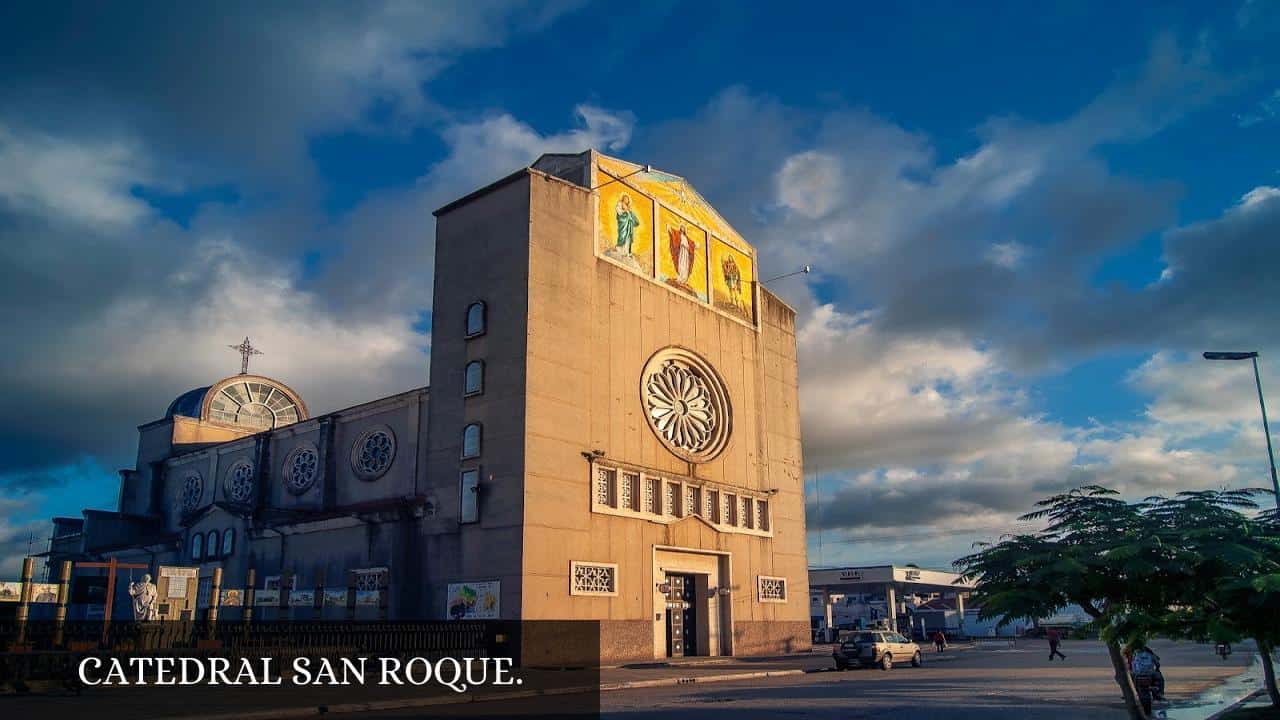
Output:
[[691, 608], [682, 615]]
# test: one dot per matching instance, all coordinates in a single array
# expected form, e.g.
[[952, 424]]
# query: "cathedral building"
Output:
[[610, 433]]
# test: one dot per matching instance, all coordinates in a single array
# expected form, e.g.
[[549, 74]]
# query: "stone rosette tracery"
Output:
[[686, 404]]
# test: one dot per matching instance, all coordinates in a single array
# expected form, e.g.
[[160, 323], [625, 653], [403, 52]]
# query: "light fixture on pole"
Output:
[[1257, 379], [802, 271]]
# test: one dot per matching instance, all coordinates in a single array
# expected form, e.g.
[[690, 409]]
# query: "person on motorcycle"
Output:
[[1144, 665]]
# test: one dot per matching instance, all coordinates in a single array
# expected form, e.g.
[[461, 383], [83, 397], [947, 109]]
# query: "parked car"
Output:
[[875, 648]]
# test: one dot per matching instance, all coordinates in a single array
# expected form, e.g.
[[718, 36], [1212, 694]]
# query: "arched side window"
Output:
[[471, 441], [197, 547], [473, 378], [476, 319], [228, 541], [211, 544]]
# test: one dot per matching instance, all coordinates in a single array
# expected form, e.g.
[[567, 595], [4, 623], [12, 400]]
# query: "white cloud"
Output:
[[1259, 195], [1007, 255], [81, 182], [810, 183]]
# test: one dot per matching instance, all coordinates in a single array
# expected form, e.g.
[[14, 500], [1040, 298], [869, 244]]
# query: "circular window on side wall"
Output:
[[301, 469], [373, 452], [238, 483], [192, 491]]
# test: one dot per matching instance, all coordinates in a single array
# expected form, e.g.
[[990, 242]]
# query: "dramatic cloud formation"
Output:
[[954, 283], [159, 205]]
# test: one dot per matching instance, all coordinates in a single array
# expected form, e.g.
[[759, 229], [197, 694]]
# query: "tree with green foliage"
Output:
[[1234, 592], [1136, 568]]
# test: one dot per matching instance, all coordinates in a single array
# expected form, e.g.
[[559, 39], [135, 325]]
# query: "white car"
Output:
[[872, 648]]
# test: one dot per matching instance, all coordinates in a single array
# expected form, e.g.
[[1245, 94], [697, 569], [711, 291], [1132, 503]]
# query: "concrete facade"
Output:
[[568, 506]]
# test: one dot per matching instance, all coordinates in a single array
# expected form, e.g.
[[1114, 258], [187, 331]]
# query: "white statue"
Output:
[[144, 599]]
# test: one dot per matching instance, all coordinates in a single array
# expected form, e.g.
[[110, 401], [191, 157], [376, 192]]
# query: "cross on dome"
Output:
[[246, 350]]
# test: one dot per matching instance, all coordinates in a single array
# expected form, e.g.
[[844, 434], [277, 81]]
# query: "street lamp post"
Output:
[[1257, 379]]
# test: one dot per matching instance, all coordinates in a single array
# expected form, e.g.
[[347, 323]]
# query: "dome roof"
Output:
[[252, 401], [188, 403]]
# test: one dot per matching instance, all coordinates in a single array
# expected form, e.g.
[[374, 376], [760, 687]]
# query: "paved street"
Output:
[[993, 680], [1017, 682]]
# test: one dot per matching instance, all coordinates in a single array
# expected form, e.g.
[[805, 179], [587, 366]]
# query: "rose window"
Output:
[[192, 490], [373, 453], [686, 404], [239, 482], [301, 469]]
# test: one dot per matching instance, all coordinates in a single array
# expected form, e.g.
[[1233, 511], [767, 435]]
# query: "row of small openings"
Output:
[[472, 385]]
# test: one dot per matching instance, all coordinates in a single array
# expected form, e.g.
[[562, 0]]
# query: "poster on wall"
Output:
[[232, 597], [267, 597], [10, 591], [335, 597], [474, 601], [44, 592], [178, 579], [368, 598], [302, 598]]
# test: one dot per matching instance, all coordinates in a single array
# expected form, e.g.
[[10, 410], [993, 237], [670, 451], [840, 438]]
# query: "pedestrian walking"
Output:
[[1054, 640], [940, 641]]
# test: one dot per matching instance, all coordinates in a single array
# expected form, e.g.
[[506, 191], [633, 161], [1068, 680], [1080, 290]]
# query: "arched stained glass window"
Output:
[[197, 547], [254, 402], [228, 541]]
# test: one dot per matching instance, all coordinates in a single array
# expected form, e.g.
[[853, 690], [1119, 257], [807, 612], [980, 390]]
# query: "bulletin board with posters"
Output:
[[176, 592], [474, 600]]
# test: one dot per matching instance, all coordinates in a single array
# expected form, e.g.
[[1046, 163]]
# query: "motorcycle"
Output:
[[1147, 679], [1145, 685]]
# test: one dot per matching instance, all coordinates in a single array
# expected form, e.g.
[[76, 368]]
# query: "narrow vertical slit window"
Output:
[[471, 441], [628, 491], [652, 496], [473, 378], [692, 500], [469, 491], [476, 319], [605, 494]]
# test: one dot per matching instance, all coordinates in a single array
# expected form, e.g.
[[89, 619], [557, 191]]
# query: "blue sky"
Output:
[[1026, 221]]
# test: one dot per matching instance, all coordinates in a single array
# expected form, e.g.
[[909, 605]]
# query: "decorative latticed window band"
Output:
[[627, 491], [772, 589], [632, 492], [604, 486], [587, 578]]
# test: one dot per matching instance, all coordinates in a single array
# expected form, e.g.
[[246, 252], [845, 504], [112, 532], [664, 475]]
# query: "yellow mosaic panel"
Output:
[[626, 235], [732, 274], [674, 192], [682, 254]]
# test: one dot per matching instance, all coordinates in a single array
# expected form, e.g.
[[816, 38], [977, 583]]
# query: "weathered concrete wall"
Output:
[[481, 255], [592, 327]]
